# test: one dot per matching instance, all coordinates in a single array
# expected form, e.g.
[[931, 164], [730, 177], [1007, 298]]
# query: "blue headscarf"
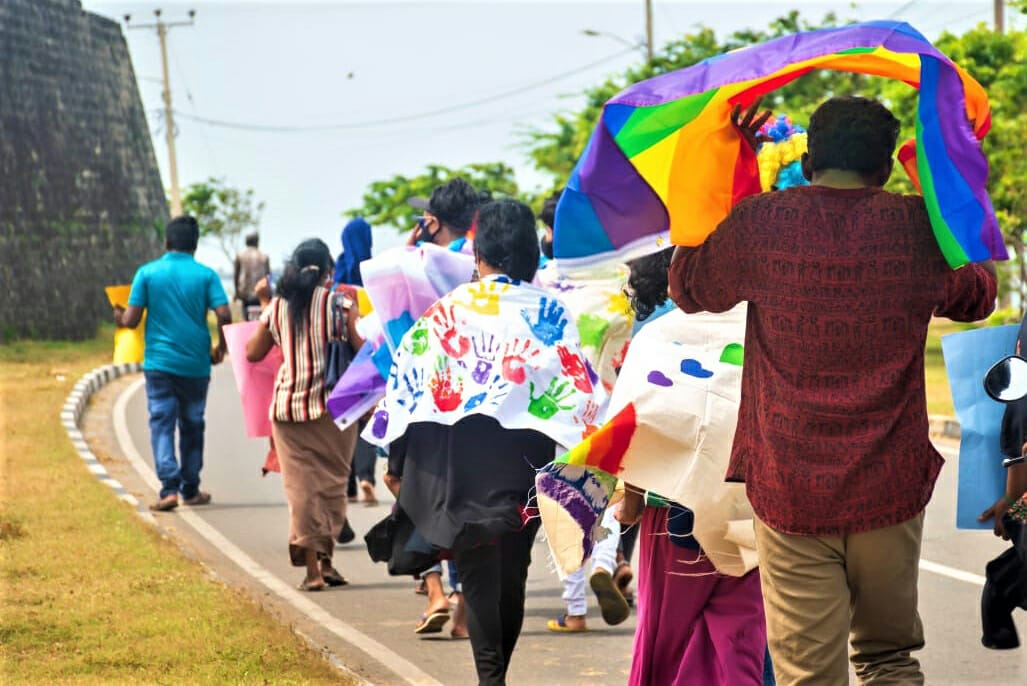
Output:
[[356, 247]]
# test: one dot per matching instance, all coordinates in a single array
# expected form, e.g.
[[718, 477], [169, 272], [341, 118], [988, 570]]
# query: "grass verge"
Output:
[[88, 592]]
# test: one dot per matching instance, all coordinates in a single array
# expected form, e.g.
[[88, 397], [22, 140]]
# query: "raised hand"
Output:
[[447, 396], [485, 297], [454, 344], [574, 367], [548, 404], [749, 122], [550, 323], [516, 357]]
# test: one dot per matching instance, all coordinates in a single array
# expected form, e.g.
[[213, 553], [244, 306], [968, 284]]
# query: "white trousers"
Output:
[[604, 556]]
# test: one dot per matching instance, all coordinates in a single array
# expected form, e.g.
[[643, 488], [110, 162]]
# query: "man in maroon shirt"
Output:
[[842, 279]]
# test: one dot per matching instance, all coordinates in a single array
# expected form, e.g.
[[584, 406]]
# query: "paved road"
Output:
[[251, 512]]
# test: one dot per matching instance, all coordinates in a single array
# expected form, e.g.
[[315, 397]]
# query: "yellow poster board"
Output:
[[129, 344]]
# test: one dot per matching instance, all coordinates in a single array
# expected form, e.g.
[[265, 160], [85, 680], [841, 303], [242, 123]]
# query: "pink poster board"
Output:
[[255, 380]]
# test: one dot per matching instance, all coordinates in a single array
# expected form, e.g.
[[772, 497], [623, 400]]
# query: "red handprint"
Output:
[[447, 398], [588, 418], [455, 345], [574, 367], [516, 354]]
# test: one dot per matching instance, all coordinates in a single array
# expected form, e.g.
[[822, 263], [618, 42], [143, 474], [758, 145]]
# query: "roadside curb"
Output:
[[71, 415]]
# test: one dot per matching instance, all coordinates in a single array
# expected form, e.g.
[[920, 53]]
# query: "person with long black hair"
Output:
[[315, 455]]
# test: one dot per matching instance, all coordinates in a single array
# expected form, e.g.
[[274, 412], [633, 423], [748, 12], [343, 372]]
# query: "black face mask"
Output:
[[546, 246]]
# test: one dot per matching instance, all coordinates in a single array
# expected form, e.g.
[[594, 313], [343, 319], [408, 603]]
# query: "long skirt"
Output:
[[315, 457], [695, 626]]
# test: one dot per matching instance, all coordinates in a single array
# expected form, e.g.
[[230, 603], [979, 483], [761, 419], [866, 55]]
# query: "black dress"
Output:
[[465, 487]]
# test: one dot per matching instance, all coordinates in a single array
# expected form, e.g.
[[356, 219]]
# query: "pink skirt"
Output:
[[695, 626]]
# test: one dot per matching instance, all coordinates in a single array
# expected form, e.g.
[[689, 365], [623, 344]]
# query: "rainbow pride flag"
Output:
[[666, 162]]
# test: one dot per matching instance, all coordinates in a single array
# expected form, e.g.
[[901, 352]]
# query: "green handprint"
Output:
[[419, 338], [592, 331], [548, 404]]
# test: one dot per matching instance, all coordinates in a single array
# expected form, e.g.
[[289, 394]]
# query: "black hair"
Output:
[[548, 213], [455, 203], [305, 271], [253, 239], [182, 234], [506, 238], [852, 133], [648, 282]]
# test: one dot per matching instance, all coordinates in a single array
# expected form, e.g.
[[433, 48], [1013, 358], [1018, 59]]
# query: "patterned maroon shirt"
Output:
[[832, 433]]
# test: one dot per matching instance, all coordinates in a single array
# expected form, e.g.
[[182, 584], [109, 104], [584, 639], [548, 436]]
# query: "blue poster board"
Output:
[[982, 479]]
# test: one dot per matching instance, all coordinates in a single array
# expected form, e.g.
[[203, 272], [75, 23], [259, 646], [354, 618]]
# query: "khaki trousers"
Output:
[[819, 591]]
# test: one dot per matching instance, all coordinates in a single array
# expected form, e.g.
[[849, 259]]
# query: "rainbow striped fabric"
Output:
[[666, 162]]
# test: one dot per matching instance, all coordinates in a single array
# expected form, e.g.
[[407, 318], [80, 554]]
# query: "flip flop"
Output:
[[559, 625], [310, 586], [612, 604], [335, 579], [433, 623], [623, 577]]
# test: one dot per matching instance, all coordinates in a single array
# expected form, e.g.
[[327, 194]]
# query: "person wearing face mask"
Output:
[[448, 216]]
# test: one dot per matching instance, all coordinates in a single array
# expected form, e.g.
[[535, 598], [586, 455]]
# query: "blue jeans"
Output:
[[177, 400]]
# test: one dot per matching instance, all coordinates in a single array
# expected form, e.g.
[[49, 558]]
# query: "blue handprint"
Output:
[[496, 391], [414, 380], [475, 401], [551, 323]]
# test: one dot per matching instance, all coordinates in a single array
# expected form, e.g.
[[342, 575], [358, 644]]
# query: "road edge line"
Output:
[[388, 658]]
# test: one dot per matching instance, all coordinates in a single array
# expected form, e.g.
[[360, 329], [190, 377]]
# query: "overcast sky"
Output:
[[286, 65]]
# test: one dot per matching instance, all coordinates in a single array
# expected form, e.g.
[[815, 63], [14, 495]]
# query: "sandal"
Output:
[[333, 578], [311, 586], [433, 623], [623, 577], [612, 604], [559, 625]]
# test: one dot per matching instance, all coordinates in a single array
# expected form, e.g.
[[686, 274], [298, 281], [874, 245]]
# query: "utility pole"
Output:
[[169, 115], [649, 29], [1000, 16]]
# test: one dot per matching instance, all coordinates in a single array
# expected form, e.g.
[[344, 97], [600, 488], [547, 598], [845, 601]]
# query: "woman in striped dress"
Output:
[[315, 455]]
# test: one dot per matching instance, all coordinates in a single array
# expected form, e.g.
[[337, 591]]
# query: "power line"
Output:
[[222, 123]]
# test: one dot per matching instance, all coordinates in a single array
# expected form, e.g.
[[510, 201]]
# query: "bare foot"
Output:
[[367, 491], [459, 616]]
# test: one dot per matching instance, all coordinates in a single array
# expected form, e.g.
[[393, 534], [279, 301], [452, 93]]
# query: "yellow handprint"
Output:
[[485, 297]]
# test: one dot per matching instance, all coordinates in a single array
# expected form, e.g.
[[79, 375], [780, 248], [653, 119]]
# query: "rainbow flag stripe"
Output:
[[665, 159]]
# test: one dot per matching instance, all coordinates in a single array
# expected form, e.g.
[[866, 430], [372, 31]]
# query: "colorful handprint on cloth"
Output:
[[476, 350], [484, 297], [414, 381], [592, 330], [548, 404], [453, 343], [446, 394], [574, 366], [486, 349], [418, 343], [516, 358], [588, 417], [495, 394], [550, 322]]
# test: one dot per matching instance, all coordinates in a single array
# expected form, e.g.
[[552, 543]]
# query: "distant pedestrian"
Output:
[[314, 454], [176, 292], [251, 266]]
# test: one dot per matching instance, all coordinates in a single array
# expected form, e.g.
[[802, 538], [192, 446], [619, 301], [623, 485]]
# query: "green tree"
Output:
[[224, 213], [385, 202]]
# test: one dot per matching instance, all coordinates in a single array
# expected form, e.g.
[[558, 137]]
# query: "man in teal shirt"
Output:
[[176, 291]]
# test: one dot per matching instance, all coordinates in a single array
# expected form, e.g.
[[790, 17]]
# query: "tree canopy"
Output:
[[223, 213]]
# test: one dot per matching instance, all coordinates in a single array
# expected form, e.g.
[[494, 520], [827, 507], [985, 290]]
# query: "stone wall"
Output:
[[81, 200]]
